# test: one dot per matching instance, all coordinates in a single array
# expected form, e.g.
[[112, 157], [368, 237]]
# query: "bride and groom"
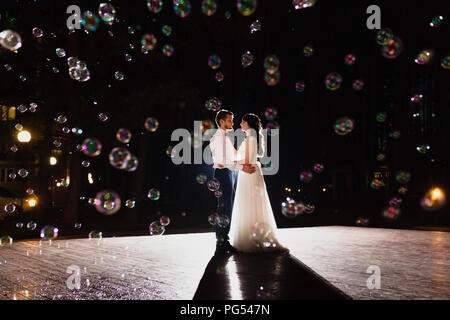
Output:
[[252, 226]]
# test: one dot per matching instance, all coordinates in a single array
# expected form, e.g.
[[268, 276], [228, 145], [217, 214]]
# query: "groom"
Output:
[[223, 154]]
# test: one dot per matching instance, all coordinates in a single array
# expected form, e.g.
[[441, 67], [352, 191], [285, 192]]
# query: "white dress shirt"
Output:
[[223, 152]]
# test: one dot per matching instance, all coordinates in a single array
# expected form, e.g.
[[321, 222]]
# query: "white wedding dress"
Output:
[[253, 227]]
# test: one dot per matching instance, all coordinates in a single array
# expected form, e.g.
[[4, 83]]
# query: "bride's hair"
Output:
[[254, 122]]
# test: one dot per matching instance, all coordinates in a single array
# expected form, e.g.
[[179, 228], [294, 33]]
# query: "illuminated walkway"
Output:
[[412, 264]]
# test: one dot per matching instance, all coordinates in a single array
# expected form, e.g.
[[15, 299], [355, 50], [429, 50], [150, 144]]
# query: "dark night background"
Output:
[[174, 90]]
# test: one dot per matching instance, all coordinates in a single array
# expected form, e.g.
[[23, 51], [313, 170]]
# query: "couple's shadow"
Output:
[[267, 276]]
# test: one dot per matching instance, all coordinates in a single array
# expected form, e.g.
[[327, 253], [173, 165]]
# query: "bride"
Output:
[[253, 227]]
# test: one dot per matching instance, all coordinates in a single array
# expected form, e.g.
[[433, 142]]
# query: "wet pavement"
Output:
[[324, 263]]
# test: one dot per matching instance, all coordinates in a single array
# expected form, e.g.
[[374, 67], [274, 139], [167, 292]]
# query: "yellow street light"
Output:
[[32, 202], [53, 161], [24, 136]]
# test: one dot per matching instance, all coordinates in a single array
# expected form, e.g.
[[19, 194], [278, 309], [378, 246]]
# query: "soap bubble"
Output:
[[131, 164], [213, 184], [118, 156], [291, 208], [306, 176], [118, 75], [91, 147], [19, 225], [384, 35], [343, 126], [391, 213], [123, 135], [60, 52], [271, 64], [246, 7], [182, 8], [107, 202], [350, 59], [272, 79], [167, 30], [392, 48], [403, 176], [445, 62], [167, 50], [358, 84], [424, 57], [10, 40], [10, 208], [148, 42], [49, 232], [156, 228], [214, 61], [213, 219], [436, 21], [37, 32], [209, 7], [153, 194], [308, 50], [318, 168], [262, 235], [31, 225], [130, 203], [362, 222], [6, 241], [89, 21], [164, 220], [423, 148], [247, 59], [300, 86], [201, 178], [395, 202], [155, 6], [214, 104], [333, 81], [219, 76], [270, 113], [151, 124], [377, 183], [107, 12], [255, 26], [95, 235]]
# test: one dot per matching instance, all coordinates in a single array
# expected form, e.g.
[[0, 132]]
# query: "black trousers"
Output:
[[224, 203]]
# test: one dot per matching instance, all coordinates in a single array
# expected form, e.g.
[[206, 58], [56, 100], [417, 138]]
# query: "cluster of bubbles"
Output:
[[262, 235], [301, 4], [78, 70], [391, 46], [107, 202], [10, 40], [343, 126], [291, 208], [271, 67], [122, 159]]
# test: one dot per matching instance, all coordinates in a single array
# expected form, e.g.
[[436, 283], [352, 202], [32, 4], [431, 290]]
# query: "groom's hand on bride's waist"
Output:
[[248, 168]]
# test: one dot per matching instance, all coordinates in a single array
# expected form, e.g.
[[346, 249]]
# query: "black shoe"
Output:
[[225, 248]]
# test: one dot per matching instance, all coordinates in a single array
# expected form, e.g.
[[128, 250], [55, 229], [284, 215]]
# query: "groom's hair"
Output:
[[222, 115]]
